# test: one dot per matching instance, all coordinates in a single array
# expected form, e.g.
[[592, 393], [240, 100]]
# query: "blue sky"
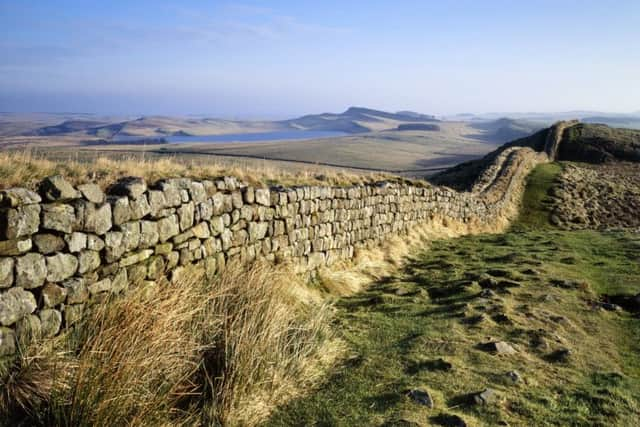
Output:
[[252, 59]]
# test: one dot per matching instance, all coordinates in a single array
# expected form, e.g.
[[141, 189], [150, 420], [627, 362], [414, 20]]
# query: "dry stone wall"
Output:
[[64, 248]]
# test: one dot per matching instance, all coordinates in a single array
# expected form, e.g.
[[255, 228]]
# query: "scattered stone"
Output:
[[498, 347], [486, 397], [610, 307], [56, 188], [562, 355], [514, 376], [421, 397], [450, 420]]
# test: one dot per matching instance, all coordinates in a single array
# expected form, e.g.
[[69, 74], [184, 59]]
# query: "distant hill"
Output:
[[353, 120], [419, 126], [506, 129], [358, 119]]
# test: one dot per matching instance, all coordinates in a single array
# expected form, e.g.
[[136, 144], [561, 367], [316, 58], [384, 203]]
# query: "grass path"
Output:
[[536, 289]]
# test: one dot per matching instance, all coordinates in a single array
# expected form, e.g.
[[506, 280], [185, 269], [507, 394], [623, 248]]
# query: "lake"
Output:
[[243, 137]]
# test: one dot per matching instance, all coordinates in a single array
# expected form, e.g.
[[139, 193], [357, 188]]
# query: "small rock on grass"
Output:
[[498, 347], [514, 377], [486, 397], [421, 397], [449, 420]]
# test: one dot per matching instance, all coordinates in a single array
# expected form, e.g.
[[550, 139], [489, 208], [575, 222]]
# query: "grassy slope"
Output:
[[401, 328]]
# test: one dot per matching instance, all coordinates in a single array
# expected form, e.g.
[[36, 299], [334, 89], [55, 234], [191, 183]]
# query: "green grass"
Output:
[[534, 212], [402, 329]]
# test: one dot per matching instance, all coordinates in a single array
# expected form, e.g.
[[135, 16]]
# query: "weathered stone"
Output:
[[92, 192], [168, 227], [185, 213], [120, 281], [155, 267], [56, 188], [131, 186], [97, 218], [163, 248], [7, 342], [421, 397], [201, 230], [15, 247], [486, 397], [316, 260], [114, 248], [19, 222], [120, 209], [171, 194], [50, 321], [53, 295], [136, 273], [513, 376], [499, 347], [76, 241], [15, 303], [263, 196], [94, 243], [6, 272], [59, 217], [48, 243], [130, 235], [139, 207], [148, 234], [77, 291], [31, 270], [257, 230], [248, 194], [103, 285], [136, 257], [14, 197], [88, 261], [157, 202], [60, 267]]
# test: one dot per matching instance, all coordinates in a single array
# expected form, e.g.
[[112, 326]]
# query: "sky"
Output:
[[276, 59]]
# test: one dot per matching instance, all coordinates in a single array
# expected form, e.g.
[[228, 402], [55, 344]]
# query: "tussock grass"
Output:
[[187, 352], [27, 168]]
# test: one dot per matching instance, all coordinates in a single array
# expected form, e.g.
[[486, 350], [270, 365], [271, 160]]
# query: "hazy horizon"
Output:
[[281, 59]]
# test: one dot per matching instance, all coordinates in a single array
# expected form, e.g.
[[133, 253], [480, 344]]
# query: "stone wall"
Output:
[[63, 248]]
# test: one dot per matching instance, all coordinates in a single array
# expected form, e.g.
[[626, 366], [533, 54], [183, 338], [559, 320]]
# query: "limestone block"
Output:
[[19, 222], [15, 304], [60, 267], [56, 188], [31, 270]]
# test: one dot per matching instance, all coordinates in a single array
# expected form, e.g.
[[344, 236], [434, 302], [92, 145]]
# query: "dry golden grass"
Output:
[[26, 169], [190, 352]]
